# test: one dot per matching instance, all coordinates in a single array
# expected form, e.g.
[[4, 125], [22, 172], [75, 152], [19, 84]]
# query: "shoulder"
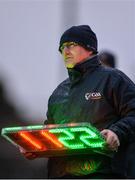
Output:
[[60, 89], [116, 75], [62, 86]]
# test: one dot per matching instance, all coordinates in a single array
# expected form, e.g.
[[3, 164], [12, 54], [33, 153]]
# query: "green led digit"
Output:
[[87, 135], [68, 138]]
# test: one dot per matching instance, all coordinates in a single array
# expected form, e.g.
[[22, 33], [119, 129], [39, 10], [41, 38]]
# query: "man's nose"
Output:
[[66, 50]]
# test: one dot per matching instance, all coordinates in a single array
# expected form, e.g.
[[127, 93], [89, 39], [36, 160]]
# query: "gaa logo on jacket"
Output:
[[93, 95]]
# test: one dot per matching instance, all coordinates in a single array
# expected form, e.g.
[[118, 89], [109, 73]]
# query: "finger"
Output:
[[22, 150], [110, 140], [114, 148], [30, 155], [114, 145], [114, 141], [104, 133]]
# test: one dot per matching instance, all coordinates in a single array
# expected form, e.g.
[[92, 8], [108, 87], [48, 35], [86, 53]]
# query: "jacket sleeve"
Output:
[[49, 119], [123, 95]]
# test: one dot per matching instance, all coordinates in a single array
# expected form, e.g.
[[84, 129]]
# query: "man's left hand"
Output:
[[111, 138]]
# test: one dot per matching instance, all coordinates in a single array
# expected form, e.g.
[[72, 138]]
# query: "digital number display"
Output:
[[54, 139]]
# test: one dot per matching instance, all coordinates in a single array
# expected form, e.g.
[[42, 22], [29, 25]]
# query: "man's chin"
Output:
[[69, 66]]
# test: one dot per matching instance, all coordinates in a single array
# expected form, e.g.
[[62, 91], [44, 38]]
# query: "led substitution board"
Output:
[[57, 140]]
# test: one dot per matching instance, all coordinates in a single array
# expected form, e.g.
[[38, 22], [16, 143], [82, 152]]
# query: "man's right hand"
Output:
[[28, 155]]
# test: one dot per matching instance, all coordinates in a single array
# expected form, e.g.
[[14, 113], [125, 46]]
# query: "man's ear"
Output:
[[90, 53]]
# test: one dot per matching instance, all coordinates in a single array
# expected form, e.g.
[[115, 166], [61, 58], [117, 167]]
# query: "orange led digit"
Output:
[[51, 138], [32, 140]]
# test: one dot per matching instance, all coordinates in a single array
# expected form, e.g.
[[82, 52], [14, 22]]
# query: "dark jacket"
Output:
[[105, 97]]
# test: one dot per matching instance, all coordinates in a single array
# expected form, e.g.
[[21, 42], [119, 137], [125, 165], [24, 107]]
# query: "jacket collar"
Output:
[[90, 63], [77, 72]]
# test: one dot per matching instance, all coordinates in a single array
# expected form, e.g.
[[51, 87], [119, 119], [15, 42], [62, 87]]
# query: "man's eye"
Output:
[[68, 46], [71, 45]]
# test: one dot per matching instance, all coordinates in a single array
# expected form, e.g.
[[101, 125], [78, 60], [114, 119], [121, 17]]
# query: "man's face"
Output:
[[73, 54]]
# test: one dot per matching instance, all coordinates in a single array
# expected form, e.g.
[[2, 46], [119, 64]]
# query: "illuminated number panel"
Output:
[[56, 140]]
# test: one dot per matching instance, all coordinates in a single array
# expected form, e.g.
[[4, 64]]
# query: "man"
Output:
[[104, 97], [112, 112]]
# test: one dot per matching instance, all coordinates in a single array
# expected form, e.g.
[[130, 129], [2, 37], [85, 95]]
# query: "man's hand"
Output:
[[27, 155], [111, 139]]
